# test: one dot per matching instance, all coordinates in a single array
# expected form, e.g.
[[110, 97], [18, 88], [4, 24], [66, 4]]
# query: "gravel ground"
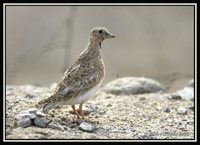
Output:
[[142, 116]]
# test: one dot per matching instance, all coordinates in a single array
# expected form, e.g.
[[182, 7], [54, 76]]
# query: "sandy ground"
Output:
[[113, 117]]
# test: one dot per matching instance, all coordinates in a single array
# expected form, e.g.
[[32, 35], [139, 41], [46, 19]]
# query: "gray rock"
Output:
[[132, 85], [32, 116], [32, 110], [167, 110], [86, 127], [40, 122], [40, 114], [182, 111], [25, 122], [187, 93], [24, 113]]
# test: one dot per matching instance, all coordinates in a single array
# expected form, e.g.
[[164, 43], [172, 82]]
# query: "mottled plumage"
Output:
[[83, 78]]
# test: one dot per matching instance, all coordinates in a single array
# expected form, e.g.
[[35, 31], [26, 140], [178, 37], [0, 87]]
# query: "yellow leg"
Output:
[[75, 111], [81, 112]]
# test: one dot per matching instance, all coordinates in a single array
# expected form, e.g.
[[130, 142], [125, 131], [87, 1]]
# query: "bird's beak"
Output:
[[110, 36]]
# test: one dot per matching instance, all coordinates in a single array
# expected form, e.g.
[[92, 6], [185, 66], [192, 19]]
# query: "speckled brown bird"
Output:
[[83, 78]]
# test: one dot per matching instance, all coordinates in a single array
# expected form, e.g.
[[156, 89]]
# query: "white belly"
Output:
[[84, 97]]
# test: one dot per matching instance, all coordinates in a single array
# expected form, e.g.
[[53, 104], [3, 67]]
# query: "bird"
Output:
[[83, 78]]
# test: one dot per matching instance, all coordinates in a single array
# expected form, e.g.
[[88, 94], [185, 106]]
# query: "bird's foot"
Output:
[[86, 119], [80, 120]]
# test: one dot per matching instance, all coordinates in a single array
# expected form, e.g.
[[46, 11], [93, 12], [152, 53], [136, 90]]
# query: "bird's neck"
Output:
[[95, 43], [94, 47]]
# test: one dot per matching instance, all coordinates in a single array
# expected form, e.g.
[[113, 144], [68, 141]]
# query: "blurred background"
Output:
[[151, 41]]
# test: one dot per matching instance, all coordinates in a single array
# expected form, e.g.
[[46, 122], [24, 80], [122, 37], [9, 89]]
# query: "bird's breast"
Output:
[[85, 96]]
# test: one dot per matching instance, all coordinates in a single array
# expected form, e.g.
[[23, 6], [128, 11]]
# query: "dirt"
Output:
[[143, 116]]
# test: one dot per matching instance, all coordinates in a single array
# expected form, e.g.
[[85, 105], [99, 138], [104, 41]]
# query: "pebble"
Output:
[[40, 114], [167, 110], [40, 122], [86, 127], [24, 113], [182, 111], [32, 116], [32, 110], [26, 122]]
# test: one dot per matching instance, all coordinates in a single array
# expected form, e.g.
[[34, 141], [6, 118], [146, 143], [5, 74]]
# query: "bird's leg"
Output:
[[81, 113], [75, 111]]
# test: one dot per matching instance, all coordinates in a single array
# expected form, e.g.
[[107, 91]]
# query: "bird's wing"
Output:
[[76, 81], [63, 89]]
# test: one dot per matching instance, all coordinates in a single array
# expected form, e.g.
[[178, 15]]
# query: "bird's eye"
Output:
[[100, 31]]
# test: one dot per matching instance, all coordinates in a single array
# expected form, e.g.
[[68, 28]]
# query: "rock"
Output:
[[25, 122], [182, 111], [40, 114], [86, 127], [32, 116], [24, 113], [187, 93], [40, 122], [132, 85], [32, 110], [167, 110]]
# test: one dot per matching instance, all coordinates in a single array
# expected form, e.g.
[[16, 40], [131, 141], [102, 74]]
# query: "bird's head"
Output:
[[100, 34]]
